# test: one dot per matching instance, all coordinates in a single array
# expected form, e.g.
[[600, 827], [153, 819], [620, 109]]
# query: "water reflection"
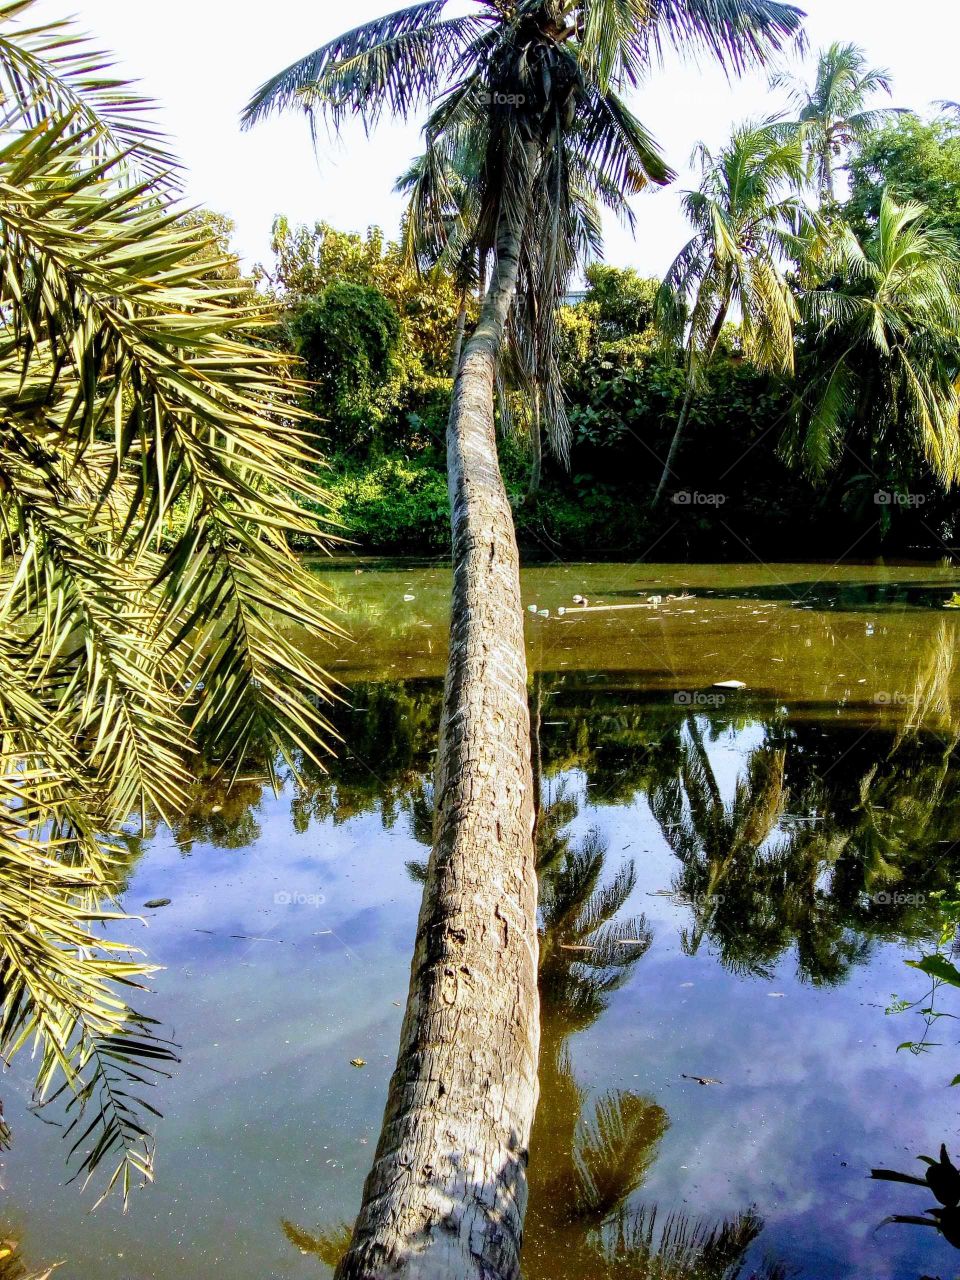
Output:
[[823, 847], [942, 1180], [589, 1157]]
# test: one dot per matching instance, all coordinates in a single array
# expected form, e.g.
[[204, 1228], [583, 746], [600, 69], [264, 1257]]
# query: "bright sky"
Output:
[[202, 59]]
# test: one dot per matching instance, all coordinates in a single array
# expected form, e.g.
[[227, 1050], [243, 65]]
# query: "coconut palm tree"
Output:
[[881, 348], [832, 114], [539, 84], [745, 228], [151, 461]]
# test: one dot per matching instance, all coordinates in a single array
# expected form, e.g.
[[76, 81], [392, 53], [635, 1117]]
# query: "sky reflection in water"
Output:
[[763, 839]]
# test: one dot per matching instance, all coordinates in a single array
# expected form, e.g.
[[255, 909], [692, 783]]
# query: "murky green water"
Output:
[[759, 864]]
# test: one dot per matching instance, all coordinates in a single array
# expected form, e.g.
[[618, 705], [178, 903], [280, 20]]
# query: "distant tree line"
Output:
[[790, 388]]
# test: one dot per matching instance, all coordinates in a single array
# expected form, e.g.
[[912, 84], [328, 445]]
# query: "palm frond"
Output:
[[49, 72], [396, 63]]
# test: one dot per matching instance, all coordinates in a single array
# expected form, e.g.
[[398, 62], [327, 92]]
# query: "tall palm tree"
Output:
[[151, 461], [745, 228], [538, 83], [882, 348], [832, 114]]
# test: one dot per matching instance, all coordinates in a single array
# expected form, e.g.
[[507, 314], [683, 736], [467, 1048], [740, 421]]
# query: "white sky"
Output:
[[202, 59]]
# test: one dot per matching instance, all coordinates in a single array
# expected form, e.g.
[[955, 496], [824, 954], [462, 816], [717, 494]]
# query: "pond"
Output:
[[732, 881]]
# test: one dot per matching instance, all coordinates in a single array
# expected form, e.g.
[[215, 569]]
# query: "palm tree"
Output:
[[151, 462], [538, 84], [831, 113], [745, 227], [882, 348]]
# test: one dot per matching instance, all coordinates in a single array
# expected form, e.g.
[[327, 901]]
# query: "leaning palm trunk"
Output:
[[674, 444], [458, 336], [713, 343], [447, 1192]]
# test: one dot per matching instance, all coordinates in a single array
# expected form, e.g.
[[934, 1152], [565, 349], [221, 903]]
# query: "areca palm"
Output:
[[537, 84], [745, 226], [832, 113], [882, 348], [151, 462]]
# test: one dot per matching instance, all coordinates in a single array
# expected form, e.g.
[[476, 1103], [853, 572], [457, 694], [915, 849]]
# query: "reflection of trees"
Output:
[[824, 825], [721, 846], [12, 1266], [589, 1158], [220, 812], [385, 762], [826, 843]]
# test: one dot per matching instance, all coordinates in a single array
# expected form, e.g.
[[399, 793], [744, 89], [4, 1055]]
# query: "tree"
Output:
[[832, 111], [348, 338], [917, 161], [152, 461], [881, 349], [745, 227], [538, 85]]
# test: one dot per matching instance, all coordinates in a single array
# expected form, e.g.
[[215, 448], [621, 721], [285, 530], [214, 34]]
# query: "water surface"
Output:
[[732, 880]]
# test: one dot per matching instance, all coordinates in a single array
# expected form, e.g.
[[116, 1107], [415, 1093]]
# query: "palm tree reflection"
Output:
[[590, 1157]]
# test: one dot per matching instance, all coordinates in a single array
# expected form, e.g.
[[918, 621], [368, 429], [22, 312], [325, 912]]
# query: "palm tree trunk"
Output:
[[674, 444], [715, 332], [536, 445], [458, 336], [447, 1192]]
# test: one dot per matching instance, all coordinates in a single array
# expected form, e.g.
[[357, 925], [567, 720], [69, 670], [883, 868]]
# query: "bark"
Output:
[[536, 445], [458, 336], [715, 332], [447, 1192]]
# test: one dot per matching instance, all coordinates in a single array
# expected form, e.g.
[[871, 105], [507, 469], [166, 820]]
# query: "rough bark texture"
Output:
[[447, 1192], [458, 336]]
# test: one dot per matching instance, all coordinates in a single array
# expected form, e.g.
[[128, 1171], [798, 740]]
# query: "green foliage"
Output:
[[132, 384], [832, 112], [623, 302], [395, 504], [915, 160], [882, 348], [307, 260], [348, 338]]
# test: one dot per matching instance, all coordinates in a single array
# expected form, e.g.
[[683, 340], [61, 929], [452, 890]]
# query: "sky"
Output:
[[202, 59]]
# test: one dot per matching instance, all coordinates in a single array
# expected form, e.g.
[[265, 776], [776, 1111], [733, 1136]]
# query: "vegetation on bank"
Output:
[[816, 391]]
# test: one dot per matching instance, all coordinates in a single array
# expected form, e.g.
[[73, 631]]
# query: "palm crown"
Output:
[[526, 125], [832, 112], [881, 350]]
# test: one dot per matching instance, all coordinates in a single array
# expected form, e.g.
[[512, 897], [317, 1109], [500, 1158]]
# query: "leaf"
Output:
[[936, 966]]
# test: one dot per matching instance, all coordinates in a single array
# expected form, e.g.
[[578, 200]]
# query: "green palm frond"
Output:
[[49, 72], [831, 112], [154, 466], [737, 33], [395, 64], [881, 349]]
